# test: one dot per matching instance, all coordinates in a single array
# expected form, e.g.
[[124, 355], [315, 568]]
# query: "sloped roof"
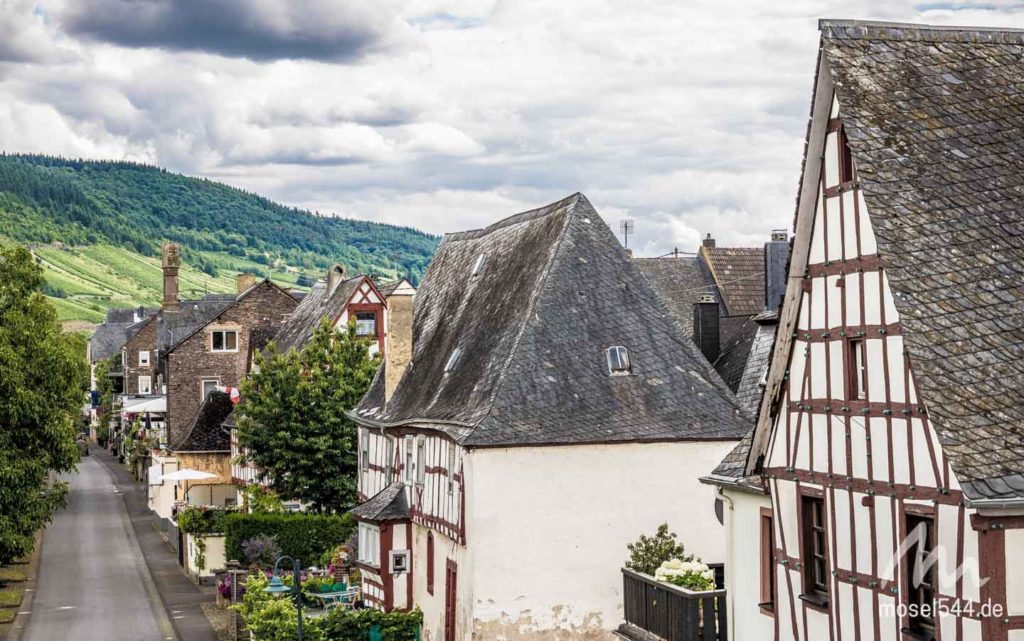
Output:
[[107, 340], [555, 290], [174, 326], [934, 118], [736, 336], [390, 504], [739, 274], [206, 432], [299, 326], [678, 280], [750, 389]]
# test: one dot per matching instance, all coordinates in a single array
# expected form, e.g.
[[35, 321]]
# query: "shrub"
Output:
[[691, 575], [201, 519], [261, 549], [648, 553], [302, 536], [355, 625]]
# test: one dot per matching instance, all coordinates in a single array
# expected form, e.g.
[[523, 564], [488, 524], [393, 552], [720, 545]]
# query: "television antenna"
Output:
[[626, 228]]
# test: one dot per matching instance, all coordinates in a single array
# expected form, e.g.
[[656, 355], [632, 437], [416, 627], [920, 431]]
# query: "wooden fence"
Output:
[[671, 612]]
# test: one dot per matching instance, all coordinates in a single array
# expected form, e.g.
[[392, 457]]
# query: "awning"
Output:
[[144, 404]]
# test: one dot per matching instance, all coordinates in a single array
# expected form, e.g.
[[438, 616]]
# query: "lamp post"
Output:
[[278, 587]]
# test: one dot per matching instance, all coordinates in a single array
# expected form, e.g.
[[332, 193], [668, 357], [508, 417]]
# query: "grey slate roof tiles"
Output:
[[750, 389], [107, 340], [206, 433], [555, 291], [390, 504], [678, 280], [934, 118], [739, 275], [299, 326]]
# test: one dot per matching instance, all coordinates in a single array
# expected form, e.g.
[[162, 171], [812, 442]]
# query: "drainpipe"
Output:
[[728, 561]]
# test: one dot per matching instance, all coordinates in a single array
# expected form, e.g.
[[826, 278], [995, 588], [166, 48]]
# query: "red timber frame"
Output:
[[845, 418], [360, 302], [992, 552]]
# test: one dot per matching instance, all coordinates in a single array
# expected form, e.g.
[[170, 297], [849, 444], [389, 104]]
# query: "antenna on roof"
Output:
[[626, 228]]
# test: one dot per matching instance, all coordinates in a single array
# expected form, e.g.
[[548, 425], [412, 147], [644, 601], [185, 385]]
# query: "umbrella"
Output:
[[188, 475]]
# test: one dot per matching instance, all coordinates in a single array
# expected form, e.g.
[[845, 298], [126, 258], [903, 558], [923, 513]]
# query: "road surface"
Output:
[[93, 583]]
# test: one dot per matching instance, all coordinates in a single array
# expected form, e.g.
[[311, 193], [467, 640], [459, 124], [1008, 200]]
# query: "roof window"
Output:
[[618, 360], [478, 265], [452, 360]]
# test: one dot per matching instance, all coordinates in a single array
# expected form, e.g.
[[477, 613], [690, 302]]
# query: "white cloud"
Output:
[[687, 117]]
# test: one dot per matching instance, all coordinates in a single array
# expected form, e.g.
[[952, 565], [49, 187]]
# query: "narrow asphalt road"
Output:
[[93, 583]]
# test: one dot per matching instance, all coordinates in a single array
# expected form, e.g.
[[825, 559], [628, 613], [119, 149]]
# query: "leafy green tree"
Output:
[[649, 552], [292, 424], [42, 380]]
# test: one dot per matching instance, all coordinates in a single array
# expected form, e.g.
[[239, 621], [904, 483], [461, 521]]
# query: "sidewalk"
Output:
[[181, 598]]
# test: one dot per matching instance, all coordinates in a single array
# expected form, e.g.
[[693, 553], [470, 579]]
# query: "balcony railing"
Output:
[[671, 612]]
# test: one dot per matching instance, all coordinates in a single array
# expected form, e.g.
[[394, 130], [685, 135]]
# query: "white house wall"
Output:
[[871, 458], [743, 519], [547, 529]]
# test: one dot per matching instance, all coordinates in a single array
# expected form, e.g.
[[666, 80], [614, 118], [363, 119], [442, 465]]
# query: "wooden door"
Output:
[[450, 582]]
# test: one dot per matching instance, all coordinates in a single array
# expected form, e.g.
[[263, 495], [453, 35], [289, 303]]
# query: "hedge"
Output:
[[302, 536], [202, 519]]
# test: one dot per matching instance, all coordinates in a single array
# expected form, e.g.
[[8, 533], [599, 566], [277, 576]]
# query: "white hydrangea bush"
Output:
[[692, 575]]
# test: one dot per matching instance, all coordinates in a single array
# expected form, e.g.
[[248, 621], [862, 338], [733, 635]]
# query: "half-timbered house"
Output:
[[551, 412], [890, 439]]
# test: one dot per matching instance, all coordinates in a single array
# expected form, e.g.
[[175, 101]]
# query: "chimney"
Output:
[[335, 275], [776, 259], [171, 264], [705, 326], [708, 241], [243, 282], [398, 350]]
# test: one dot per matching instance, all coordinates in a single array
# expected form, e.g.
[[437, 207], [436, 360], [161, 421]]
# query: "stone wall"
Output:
[[144, 340]]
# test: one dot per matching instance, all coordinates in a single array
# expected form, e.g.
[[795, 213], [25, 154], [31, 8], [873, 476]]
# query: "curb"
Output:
[[20, 622]]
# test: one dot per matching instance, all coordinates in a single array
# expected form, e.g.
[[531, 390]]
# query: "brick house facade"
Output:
[[219, 351], [139, 359]]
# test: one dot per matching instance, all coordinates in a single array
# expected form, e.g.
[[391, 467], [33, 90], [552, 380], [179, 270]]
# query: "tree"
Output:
[[649, 552], [42, 380], [292, 424]]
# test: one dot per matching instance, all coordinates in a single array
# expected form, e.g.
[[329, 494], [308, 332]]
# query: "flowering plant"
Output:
[[692, 575]]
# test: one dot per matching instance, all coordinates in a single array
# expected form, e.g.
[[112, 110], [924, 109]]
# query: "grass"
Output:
[[14, 575], [7, 615], [10, 597]]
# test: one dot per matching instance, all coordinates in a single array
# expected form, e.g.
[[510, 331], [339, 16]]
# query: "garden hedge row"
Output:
[[302, 536]]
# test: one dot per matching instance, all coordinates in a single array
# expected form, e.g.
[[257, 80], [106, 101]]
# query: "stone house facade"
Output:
[[139, 358]]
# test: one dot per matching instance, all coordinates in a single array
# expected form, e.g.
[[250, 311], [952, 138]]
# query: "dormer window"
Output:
[[478, 265], [618, 360], [452, 360]]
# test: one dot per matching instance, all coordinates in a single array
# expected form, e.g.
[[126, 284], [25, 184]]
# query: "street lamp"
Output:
[[277, 586]]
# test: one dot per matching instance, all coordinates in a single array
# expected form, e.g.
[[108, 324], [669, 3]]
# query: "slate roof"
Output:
[[388, 287], [736, 335], [934, 116], [739, 274], [299, 326], [750, 389], [554, 292], [107, 340], [174, 326], [390, 504], [206, 432], [678, 280]]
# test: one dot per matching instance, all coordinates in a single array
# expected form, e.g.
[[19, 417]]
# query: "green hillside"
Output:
[[96, 227]]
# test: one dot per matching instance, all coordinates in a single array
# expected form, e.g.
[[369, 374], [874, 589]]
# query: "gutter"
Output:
[[1016, 503], [732, 483]]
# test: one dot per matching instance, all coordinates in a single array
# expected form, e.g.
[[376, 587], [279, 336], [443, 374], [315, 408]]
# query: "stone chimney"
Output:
[[398, 350], [776, 259], [243, 282], [335, 275], [705, 326], [708, 241], [171, 264]]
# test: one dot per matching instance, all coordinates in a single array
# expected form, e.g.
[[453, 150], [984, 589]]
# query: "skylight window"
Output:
[[452, 360], [618, 360], [478, 265]]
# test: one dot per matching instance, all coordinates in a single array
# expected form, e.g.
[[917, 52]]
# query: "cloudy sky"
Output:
[[686, 116]]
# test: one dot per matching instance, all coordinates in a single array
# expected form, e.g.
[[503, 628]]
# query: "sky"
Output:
[[687, 117]]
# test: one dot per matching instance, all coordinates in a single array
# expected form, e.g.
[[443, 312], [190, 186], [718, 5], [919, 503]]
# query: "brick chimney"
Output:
[[171, 264], [398, 350], [705, 326], [335, 275], [708, 241], [243, 282]]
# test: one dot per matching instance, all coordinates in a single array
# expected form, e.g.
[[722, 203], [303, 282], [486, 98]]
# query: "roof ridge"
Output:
[[521, 217], [541, 283], [843, 29]]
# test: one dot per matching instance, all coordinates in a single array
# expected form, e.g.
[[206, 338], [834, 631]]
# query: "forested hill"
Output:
[[129, 208]]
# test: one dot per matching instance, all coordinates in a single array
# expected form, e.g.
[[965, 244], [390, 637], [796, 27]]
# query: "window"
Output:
[[421, 460], [856, 370], [364, 439], [478, 265], [767, 561], [430, 562], [921, 575], [143, 357], [845, 157], [145, 385], [224, 340], [452, 360], [451, 468], [208, 385], [366, 323], [369, 544], [618, 360], [399, 561], [389, 462], [410, 463], [815, 551]]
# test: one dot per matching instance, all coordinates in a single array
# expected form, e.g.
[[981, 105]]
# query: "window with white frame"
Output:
[[366, 323], [369, 544], [224, 340], [410, 462], [421, 460], [208, 385], [145, 385], [143, 357], [399, 561], [364, 449]]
